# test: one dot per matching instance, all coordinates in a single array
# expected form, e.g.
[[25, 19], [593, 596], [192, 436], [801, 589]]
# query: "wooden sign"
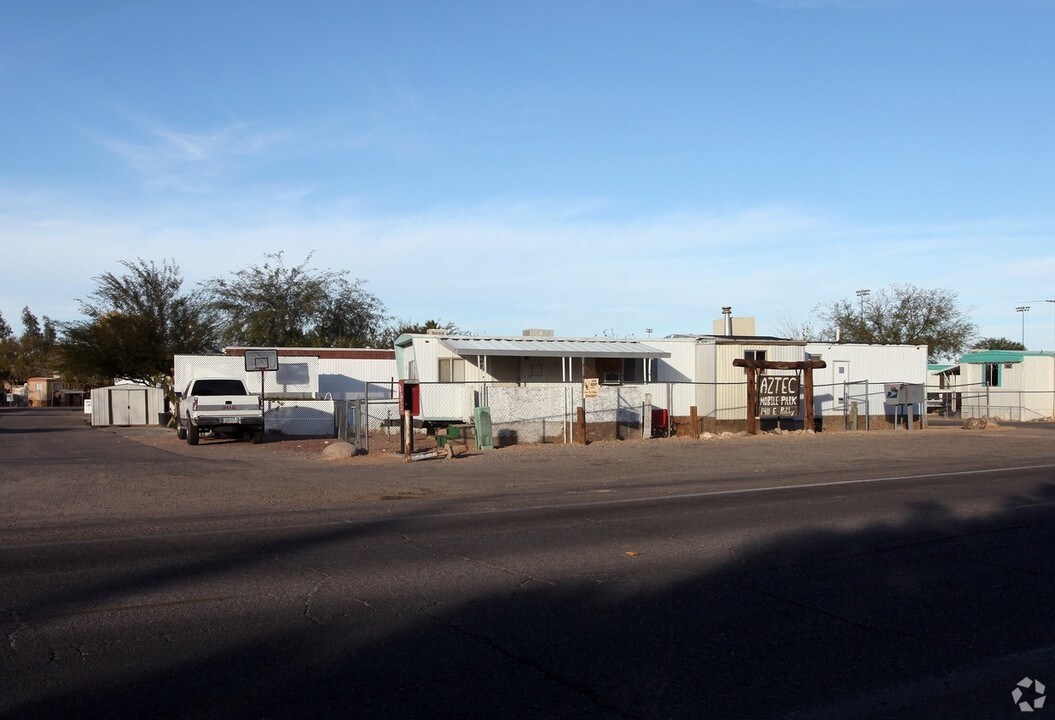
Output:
[[778, 396]]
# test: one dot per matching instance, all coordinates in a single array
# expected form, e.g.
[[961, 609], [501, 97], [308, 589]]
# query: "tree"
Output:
[[271, 305], [8, 350], [904, 314], [135, 323], [32, 354], [402, 327], [999, 343], [806, 331]]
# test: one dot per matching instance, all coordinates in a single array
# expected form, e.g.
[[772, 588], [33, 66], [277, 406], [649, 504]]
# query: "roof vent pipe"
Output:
[[727, 311], [838, 334]]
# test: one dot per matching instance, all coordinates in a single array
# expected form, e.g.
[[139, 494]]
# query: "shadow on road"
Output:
[[797, 626]]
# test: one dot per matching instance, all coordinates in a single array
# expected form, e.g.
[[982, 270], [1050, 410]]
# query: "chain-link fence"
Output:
[[551, 412], [302, 418], [357, 420], [985, 401]]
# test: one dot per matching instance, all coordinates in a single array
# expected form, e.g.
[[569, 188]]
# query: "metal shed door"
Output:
[[129, 407]]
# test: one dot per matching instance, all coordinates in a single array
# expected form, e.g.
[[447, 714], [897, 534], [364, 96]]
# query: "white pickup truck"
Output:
[[222, 407]]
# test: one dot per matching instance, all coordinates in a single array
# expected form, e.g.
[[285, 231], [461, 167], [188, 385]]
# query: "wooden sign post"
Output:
[[754, 368]]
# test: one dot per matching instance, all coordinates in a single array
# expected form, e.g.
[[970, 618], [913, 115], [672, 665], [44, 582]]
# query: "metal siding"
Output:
[[551, 347], [680, 366], [427, 353], [876, 364], [351, 379], [189, 367], [147, 404], [1039, 373]]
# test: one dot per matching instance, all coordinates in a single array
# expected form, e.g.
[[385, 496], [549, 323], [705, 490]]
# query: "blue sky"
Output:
[[588, 167]]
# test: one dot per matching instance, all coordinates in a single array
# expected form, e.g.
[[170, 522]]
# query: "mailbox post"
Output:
[[409, 408]]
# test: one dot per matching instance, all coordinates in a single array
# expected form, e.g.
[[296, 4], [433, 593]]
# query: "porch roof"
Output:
[[552, 347], [995, 356]]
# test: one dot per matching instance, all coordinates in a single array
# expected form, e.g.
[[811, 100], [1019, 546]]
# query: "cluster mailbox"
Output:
[[905, 393]]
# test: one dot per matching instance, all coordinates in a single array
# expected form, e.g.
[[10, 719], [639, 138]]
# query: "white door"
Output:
[[841, 369], [119, 407], [128, 407], [137, 407]]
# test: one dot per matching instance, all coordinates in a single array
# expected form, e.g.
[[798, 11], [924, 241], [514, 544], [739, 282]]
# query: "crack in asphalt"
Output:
[[312, 593]]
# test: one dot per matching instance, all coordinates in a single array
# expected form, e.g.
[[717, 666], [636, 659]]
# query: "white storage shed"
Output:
[[127, 405]]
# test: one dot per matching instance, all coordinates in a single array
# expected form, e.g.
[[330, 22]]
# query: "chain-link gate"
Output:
[[855, 402]]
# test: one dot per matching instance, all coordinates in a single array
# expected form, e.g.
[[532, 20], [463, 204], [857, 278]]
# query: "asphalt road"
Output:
[[837, 577]]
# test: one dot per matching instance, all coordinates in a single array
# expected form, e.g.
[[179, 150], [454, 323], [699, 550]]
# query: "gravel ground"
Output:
[[386, 449]]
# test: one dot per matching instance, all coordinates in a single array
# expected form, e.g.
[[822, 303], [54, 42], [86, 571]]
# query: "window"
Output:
[[633, 370], [452, 370], [992, 374], [754, 354]]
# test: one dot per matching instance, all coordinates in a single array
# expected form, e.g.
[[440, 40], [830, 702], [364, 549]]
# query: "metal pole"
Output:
[[263, 414], [1022, 310], [862, 294]]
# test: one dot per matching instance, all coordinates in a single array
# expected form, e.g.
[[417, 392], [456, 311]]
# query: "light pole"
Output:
[[1022, 310], [861, 295]]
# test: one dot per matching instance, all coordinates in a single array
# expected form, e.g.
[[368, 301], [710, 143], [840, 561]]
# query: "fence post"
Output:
[[868, 406]]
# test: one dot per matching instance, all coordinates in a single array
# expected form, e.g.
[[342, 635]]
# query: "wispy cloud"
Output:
[[170, 157], [502, 267]]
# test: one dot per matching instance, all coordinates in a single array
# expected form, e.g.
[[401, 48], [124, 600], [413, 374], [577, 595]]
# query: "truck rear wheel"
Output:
[[192, 435]]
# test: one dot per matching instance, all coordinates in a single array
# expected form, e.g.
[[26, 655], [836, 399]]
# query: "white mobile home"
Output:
[[855, 375], [300, 395], [344, 373], [532, 383], [297, 376], [538, 378], [701, 374], [1006, 384]]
